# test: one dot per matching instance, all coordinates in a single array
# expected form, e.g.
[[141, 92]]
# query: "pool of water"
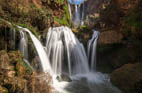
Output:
[[95, 82]]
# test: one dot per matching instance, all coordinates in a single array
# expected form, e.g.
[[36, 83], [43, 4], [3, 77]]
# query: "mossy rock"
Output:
[[3, 90], [20, 69]]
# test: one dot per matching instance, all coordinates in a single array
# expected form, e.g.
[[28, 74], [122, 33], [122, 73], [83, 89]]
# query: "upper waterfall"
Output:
[[76, 10]]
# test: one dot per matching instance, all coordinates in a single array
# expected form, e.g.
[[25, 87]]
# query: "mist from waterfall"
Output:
[[66, 53]]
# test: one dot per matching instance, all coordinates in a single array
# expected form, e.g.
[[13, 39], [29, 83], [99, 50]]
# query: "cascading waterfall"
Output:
[[40, 50], [62, 46], [65, 51], [92, 45], [68, 55], [23, 47]]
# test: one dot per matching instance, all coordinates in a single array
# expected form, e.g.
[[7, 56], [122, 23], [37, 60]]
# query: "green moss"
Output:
[[65, 19], [67, 15], [30, 28], [26, 66]]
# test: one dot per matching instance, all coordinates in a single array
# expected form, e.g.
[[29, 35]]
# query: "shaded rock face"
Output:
[[110, 37], [111, 57], [94, 6], [128, 78], [126, 5]]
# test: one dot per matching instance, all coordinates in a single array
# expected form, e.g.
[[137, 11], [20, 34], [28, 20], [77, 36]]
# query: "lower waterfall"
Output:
[[64, 57], [70, 64]]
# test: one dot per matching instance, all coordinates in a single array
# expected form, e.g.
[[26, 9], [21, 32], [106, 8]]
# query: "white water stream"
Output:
[[40, 50]]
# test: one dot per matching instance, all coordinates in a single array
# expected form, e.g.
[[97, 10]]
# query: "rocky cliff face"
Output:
[[35, 14], [120, 41], [15, 75]]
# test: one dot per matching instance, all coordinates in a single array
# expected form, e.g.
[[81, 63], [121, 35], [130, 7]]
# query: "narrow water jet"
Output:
[[92, 46], [23, 46]]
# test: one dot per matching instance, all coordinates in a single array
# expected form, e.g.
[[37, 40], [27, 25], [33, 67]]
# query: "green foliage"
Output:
[[85, 29], [60, 1], [65, 19], [26, 66], [134, 19], [67, 15]]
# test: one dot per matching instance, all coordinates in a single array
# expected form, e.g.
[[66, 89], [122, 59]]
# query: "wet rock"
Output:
[[63, 77], [128, 78]]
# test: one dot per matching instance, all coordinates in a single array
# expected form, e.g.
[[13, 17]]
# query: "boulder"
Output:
[[128, 78], [63, 77]]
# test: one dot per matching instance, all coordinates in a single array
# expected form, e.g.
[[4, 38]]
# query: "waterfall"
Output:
[[82, 19], [40, 50], [69, 6], [78, 8], [68, 55], [92, 45], [65, 50], [77, 18], [23, 47]]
